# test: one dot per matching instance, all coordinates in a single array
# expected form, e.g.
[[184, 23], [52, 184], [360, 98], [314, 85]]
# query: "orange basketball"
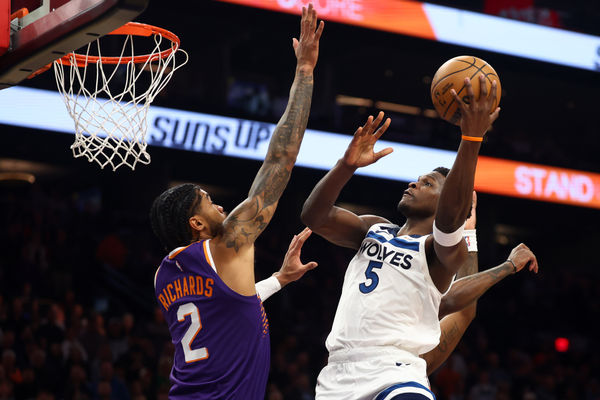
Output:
[[452, 74]]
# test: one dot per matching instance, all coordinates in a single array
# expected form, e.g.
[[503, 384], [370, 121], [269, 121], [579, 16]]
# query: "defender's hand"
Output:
[[522, 256], [360, 152], [307, 48], [292, 268], [475, 116]]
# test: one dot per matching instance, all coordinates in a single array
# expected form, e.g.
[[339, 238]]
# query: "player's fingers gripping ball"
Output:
[[451, 75]]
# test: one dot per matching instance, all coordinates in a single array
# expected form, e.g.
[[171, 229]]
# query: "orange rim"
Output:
[[20, 13], [130, 28]]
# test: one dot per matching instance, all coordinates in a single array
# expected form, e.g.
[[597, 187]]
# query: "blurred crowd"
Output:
[[78, 319]]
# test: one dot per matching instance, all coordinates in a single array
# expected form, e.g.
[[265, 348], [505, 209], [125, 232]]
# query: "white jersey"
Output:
[[388, 297]]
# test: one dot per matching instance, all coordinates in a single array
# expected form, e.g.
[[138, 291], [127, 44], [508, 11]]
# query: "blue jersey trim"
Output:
[[404, 244], [391, 231], [377, 237], [382, 395], [409, 396]]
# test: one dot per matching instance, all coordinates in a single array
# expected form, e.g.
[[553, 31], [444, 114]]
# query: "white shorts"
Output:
[[374, 374]]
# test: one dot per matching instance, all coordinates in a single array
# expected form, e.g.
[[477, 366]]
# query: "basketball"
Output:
[[452, 74]]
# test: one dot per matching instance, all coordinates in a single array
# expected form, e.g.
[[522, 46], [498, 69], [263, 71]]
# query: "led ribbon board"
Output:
[[453, 26], [241, 138]]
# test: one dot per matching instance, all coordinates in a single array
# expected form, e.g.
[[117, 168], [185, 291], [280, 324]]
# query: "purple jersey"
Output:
[[221, 338]]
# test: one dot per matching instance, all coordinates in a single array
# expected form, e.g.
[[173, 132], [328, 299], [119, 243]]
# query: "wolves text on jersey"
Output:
[[381, 252]]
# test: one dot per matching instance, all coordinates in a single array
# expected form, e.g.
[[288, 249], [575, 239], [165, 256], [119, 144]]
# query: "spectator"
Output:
[[483, 389]]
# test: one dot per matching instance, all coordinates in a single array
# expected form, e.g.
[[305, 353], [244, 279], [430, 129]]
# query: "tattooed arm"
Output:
[[250, 218], [459, 304], [453, 326], [233, 246], [468, 289]]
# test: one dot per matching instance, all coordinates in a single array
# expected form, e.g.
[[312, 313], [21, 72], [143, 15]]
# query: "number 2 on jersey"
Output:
[[372, 276], [195, 326]]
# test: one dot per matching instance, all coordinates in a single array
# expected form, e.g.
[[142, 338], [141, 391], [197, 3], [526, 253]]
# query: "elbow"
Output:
[[305, 218], [468, 313], [446, 307], [308, 217], [471, 312], [314, 216]]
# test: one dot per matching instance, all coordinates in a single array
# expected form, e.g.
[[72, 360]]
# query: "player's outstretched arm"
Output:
[[250, 218], [458, 306], [336, 224], [467, 290], [291, 270], [455, 198]]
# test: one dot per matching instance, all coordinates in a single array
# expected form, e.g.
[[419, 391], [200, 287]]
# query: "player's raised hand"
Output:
[[292, 268], [522, 256], [472, 220], [475, 112], [360, 151], [307, 48]]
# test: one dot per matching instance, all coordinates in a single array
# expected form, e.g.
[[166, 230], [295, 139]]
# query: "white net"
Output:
[[109, 102]]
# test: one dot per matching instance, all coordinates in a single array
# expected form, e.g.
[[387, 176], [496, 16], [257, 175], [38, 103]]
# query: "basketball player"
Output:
[[206, 283], [388, 311], [457, 307]]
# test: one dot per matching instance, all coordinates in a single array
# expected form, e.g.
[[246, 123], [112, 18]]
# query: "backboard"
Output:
[[41, 33]]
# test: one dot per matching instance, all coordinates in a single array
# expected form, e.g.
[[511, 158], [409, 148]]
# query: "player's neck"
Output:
[[199, 236], [417, 226]]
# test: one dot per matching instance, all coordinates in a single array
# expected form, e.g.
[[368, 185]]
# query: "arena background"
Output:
[[78, 317]]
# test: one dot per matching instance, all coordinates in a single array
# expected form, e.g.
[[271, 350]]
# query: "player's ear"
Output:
[[196, 223]]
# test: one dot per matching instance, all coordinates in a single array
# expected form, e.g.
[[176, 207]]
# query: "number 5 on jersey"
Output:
[[195, 326], [372, 276]]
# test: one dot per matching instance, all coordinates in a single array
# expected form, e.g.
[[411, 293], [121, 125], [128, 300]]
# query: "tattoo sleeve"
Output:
[[470, 288], [252, 216], [453, 326]]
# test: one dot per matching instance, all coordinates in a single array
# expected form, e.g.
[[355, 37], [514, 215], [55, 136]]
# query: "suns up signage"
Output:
[[242, 138]]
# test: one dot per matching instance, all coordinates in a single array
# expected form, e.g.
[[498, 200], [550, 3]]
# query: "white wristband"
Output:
[[448, 239], [267, 287], [471, 239]]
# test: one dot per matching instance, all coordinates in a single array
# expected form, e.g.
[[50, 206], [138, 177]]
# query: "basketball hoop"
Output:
[[108, 97]]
